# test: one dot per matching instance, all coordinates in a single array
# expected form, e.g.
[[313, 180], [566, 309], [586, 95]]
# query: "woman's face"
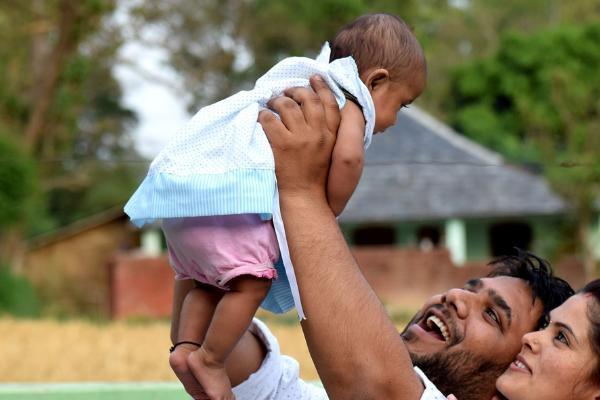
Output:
[[556, 362]]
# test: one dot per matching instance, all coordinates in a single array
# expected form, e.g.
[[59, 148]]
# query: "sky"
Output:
[[160, 111], [148, 85]]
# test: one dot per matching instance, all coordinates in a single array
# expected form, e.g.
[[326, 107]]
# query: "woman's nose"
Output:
[[531, 340]]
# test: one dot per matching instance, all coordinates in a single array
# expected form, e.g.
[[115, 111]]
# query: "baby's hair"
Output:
[[380, 41]]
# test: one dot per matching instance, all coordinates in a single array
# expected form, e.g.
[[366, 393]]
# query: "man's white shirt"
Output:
[[278, 377]]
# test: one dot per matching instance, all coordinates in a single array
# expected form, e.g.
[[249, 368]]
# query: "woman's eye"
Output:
[[561, 337]]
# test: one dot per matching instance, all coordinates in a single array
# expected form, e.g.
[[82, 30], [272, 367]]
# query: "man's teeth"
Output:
[[440, 325]]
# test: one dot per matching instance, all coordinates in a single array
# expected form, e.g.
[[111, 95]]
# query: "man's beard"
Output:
[[466, 375]]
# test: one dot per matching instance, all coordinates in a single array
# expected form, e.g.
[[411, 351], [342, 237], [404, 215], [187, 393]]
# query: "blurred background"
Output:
[[502, 150]]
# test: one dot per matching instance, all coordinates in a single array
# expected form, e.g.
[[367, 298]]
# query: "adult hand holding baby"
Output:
[[302, 141]]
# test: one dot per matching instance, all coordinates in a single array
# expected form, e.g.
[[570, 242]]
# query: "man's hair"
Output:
[[537, 273], [380, 41], [593, 314]]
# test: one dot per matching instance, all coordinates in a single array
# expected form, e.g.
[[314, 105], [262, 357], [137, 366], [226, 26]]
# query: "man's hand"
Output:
[[353, 343], [302, 141]]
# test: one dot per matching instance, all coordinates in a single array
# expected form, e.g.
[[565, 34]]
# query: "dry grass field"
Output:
[[74, 351], [50, 351]]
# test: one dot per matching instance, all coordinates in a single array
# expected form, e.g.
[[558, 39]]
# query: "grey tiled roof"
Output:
[[422, 170]]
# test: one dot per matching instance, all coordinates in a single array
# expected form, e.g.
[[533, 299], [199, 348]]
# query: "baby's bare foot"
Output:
[[179, 365], [211, 375]]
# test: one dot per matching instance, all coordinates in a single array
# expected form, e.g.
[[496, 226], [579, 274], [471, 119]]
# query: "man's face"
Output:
[[465, 338]]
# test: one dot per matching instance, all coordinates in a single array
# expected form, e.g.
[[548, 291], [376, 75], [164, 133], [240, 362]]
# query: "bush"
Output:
[[17, 295], [17, 182]]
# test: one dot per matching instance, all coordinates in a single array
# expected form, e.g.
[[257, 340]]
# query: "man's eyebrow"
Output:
[[502, 305]]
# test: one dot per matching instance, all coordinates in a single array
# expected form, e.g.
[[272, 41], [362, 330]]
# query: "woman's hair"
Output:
[[380, 41], [593, 312]]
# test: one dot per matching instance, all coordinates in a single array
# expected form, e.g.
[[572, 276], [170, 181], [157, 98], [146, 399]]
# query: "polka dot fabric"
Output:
[[220, 162]]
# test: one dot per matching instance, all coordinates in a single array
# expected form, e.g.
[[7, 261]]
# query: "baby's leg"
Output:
[[196, 312], [181, 288], [230, 320]]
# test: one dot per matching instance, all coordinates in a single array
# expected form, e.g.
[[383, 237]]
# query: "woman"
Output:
[[562, 361]]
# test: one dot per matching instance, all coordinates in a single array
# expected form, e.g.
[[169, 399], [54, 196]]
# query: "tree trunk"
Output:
[[49, 78], [12, 249]]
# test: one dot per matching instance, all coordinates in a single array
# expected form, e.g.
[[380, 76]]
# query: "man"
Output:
[[462, 339]]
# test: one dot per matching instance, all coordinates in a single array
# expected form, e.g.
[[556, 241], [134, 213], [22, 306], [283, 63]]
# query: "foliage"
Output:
[[541, 91], [17, 183], [218, 47], [60, 102], [17, 295], [455, 32], [538, 99]]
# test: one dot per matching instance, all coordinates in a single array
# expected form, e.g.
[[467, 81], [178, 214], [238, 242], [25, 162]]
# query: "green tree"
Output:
[[17, 183], [538, 99], [455, 32], [218, 47], [60, 103]]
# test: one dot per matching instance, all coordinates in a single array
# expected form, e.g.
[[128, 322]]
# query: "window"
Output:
[[504, 237], [428, 237], [374, 236]]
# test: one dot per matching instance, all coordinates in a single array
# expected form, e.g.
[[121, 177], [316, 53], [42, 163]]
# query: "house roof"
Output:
[[420, 169], [77, 227]]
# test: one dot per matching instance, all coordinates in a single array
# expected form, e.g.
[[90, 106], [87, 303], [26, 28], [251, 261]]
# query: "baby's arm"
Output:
[[347, 158]]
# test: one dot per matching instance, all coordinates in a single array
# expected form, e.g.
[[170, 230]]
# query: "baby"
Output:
[[214, 188]]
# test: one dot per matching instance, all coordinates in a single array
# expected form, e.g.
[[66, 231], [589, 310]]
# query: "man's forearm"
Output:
[[356, 349]]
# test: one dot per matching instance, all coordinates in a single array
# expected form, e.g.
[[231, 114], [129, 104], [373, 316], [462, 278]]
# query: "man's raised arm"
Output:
[[356, 348]]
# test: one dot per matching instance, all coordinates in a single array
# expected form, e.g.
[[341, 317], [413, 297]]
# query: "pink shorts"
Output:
[[214, 250]]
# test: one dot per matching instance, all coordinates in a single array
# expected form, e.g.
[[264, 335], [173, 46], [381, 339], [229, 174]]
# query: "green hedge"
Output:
[[17, 295]]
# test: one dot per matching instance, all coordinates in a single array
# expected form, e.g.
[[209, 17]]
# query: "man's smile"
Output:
[[436, 323]]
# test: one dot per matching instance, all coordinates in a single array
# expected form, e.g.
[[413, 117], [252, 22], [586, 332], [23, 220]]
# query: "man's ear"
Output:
[[376, 77]]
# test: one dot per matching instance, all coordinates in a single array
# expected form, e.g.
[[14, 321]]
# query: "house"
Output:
[[68, 266], [424, 185]]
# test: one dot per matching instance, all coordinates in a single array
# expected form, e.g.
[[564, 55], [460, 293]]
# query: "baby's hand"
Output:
[[452, 397]]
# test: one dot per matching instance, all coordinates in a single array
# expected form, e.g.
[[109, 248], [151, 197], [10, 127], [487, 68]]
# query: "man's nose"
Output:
[[460, 300]]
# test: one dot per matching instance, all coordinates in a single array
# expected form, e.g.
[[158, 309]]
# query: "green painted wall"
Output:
[[545, 230], [477, 240]]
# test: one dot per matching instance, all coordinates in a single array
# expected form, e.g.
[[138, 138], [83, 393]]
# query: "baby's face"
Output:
[[391, 98]]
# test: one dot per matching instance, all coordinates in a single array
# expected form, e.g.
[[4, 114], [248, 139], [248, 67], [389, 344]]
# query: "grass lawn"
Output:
[[93, 391]]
